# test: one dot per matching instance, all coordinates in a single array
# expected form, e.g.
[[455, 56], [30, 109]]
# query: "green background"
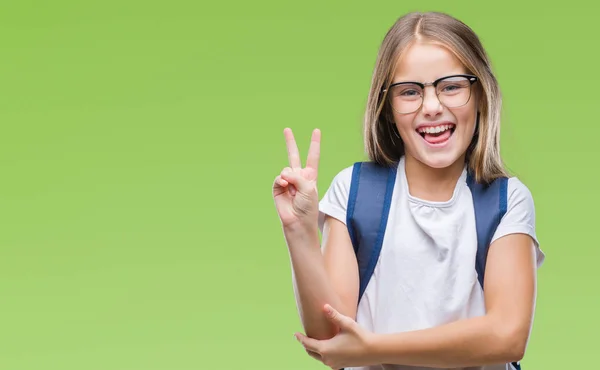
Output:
[[140, 140]]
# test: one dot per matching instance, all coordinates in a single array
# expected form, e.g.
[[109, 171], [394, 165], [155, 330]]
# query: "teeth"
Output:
[[435, 130]]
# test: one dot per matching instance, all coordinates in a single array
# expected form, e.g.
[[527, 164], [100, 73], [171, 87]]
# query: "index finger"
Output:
[[314, 151], [292, 148]]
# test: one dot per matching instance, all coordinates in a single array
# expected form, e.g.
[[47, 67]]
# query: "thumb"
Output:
[[295, 178], [337, 318]]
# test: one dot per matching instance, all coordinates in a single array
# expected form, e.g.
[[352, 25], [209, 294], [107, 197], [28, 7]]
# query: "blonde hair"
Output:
[[381, 138]]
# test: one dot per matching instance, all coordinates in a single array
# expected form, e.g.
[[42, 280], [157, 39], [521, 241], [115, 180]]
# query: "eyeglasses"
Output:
[[452, 91]]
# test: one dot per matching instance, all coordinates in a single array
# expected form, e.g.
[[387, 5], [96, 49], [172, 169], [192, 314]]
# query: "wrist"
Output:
[[373, 348], [302, 231], [385, 348]]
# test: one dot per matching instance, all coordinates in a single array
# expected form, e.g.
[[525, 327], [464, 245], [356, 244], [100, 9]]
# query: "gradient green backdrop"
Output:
[[140, 140]]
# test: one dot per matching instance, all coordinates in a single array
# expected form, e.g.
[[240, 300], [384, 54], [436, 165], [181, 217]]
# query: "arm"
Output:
[[318, 276], [330, 275], [498, 337]]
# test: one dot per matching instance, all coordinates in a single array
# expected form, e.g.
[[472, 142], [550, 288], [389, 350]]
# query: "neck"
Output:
[[432, 184]]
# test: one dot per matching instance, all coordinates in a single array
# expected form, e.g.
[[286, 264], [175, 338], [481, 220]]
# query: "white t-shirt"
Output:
[[426, 275]]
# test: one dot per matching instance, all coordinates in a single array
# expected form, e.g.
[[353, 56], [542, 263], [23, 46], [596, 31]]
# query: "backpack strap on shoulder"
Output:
[[490, 204], [368, 208]]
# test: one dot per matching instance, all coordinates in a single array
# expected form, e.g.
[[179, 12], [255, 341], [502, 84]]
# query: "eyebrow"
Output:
[[403, 81], [414, 80]]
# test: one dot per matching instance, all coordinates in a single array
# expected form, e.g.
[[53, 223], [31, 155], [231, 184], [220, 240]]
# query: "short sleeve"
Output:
[[520, 215], [335, 200]]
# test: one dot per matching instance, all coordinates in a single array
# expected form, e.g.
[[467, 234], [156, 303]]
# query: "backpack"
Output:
[[369, 202]]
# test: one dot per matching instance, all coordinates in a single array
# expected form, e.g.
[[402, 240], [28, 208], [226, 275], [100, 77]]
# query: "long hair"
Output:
[[381, 139]]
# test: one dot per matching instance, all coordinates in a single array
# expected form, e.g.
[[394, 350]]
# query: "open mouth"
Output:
[[437, 135]]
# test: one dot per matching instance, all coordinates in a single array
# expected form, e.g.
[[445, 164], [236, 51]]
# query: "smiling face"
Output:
[[435, 134]]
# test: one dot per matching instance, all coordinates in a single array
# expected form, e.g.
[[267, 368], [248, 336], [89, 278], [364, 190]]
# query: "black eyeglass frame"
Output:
[[472, 79]]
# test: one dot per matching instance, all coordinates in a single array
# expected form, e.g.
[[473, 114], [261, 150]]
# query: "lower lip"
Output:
[[439, 144]]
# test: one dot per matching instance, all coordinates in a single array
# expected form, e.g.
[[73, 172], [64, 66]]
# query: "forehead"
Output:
[[427, 62]]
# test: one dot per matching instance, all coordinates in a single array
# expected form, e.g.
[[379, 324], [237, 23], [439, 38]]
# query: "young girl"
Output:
[[433, 113]]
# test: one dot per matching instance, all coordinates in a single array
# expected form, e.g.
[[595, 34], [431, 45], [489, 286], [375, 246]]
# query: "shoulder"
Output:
[[340, 183], [343, 178], [518, 191], [520, 206], [335, 199], [520, 215], [519, 201]]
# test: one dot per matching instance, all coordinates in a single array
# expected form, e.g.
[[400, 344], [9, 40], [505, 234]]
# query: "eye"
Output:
[[409, 92], [453, 85], [450, 88]]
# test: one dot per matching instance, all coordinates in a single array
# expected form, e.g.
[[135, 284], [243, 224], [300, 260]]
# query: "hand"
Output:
[[351, 347], [295, 189]]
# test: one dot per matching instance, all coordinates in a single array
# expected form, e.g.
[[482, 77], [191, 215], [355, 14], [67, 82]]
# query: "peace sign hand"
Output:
[[295, 189]]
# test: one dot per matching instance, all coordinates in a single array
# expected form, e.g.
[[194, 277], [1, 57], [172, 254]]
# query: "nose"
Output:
[[431, 103]]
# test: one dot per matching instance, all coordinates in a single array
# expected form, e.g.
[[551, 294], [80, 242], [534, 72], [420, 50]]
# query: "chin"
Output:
[[439, 160]]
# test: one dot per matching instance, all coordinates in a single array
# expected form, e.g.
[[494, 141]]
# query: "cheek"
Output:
[[466, 126], [404, 123], [466, 118]]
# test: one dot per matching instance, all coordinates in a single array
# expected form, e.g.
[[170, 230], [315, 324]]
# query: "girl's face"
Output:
[[434, 134]]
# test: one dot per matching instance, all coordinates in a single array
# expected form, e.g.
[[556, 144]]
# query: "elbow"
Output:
[[512, 343], [321, 333], [515, 352], [319, 328]]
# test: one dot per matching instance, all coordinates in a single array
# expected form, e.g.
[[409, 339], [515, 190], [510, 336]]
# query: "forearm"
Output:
[[312, 286], [470, 342]]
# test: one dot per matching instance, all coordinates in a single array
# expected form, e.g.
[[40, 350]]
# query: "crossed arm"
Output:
[[500, 336]]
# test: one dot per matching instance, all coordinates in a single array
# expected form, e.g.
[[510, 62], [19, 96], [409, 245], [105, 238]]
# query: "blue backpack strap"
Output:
[[366, 219], [490, 203]]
